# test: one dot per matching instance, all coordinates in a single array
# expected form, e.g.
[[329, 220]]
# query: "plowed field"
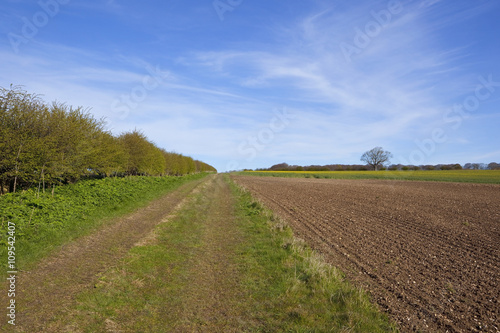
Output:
[[427, 251]]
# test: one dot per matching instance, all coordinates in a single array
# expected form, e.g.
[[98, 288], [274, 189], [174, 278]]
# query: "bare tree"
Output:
[[494, 166], [476, 166], [376, 157]]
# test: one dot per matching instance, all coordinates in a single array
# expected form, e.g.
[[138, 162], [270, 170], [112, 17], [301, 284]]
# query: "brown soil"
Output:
[[427, 251], [46, 292]]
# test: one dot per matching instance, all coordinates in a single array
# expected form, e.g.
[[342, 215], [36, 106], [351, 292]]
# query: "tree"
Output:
[[475, 166], [376, 157], [279, 167], [494, 166]]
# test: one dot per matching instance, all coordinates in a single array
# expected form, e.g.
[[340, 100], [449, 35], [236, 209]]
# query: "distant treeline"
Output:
[[360, 167], [42, 144]]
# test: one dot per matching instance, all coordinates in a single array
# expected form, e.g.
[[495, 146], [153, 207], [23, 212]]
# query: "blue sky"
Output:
[[248, 84]]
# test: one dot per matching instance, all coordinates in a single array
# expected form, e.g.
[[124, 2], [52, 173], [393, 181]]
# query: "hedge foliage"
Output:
[[44, 144]]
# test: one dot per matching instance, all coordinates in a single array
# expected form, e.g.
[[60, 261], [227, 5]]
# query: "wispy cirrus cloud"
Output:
[[401, 83]]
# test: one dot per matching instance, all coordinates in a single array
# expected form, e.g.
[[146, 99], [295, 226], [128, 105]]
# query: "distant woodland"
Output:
[[364, 167], [46, 144]]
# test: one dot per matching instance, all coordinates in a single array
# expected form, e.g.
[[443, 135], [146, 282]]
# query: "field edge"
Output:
[[314, 277]]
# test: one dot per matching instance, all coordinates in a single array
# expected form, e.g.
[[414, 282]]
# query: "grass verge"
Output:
[[44, 221], [460, 176], [279, 284], [291, 287]]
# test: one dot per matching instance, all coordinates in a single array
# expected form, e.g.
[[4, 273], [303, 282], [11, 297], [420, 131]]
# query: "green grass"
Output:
[[43, 222], [292, 289], [282, 285], [141, 291], [462, 176]]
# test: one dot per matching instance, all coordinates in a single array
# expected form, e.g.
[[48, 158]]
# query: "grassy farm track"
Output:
[[427, 251], [205, 258], [211, 297]]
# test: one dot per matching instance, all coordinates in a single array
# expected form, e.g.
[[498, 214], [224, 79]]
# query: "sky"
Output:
[[248, 84]]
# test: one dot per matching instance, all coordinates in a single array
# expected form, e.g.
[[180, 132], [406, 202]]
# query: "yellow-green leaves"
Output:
[[43, 144]]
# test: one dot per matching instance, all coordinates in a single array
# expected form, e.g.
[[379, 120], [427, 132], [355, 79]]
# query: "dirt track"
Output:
[[427, 251], [47, 291]]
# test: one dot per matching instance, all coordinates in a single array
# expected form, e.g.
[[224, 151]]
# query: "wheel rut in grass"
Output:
[[212, 296], [46, 291]]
